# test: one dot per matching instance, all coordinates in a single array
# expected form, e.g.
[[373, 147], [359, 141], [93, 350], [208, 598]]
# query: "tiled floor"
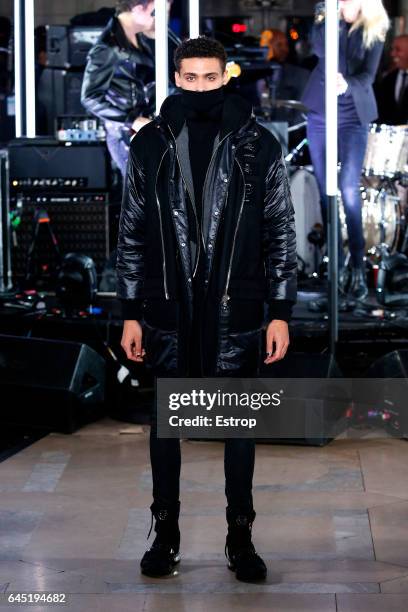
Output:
[[331, 525]]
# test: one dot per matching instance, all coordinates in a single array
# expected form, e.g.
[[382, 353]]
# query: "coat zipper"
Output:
[[161, 229], [225, 298], [205, 181]]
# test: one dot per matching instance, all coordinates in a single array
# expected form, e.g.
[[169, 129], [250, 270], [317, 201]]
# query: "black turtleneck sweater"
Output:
[[203, 112], [203, 117]]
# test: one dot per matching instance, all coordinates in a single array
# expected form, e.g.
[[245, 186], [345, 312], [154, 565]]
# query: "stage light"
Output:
[[238, 28], [162, 75], [30, 67], [24, 71], [294, 34], [332, 62], [194, 18], [17, 69]]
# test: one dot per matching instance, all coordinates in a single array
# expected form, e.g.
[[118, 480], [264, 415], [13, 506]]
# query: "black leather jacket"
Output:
[[249, 251], [119, 79]]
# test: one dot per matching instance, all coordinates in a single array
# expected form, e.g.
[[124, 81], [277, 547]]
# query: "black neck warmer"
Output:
[[203, 113], [203, 105]]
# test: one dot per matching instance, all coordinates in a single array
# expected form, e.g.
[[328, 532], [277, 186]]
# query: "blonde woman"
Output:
[[363, 27]]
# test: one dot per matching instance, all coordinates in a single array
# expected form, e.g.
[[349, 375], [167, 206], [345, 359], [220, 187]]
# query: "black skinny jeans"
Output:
[[239, 463], [239, 453]]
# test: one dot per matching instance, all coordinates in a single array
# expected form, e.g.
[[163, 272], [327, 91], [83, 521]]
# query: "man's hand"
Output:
[[277, 334], [132, 341], [139, 123]]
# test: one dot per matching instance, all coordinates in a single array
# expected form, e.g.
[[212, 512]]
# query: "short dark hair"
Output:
[[203, 46], [122, 6]]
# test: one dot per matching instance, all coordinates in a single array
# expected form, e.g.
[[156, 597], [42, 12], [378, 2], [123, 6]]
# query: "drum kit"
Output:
[[383, 193]]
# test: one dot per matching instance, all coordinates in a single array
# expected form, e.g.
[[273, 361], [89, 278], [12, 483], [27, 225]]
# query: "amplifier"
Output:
[[80, 223], [68, 46], [59, 93], [41, 165]]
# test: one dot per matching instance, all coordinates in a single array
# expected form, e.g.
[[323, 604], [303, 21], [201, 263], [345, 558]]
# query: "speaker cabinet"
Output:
[[325, 416], [391, 398], [50, 384]]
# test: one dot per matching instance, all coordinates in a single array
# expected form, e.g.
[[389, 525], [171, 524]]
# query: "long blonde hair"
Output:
[[374, 20]]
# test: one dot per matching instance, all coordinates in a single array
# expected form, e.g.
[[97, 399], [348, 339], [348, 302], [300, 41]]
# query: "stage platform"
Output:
[[365, 334], [331, 525]]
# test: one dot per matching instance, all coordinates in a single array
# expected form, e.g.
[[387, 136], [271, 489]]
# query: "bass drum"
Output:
[[382, 219], [306, 202]]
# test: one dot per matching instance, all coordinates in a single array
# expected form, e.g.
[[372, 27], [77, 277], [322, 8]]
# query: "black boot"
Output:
[[163, 555], [358, 287], [239, 549]]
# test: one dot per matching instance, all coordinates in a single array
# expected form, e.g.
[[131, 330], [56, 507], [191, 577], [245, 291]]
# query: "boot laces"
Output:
[[241, 545], [162, 515], [151, 526]]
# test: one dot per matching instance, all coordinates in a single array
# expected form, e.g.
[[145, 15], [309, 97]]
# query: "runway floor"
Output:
[[331, 525]]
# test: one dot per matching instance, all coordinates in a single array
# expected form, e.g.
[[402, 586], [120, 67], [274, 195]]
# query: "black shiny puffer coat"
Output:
[[250, 244]]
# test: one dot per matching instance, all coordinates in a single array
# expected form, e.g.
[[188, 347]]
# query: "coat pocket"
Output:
[[161, 348], [238, 351]]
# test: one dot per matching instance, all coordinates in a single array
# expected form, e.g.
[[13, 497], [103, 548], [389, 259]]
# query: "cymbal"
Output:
[[290, 104]]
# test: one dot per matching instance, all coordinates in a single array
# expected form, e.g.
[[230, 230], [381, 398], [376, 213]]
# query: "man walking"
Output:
[[206, 238]]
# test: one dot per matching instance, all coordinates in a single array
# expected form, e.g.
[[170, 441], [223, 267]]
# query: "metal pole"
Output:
[[5, 248], [194, 18], [24, 72], [332, 62], [162, 74]]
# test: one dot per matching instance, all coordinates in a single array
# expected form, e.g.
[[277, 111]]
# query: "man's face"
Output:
[[201, 74], [280, 47], [399, 53], [142, 15]]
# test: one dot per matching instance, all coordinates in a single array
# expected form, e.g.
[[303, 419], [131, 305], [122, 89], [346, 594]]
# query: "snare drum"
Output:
[[387, 151]]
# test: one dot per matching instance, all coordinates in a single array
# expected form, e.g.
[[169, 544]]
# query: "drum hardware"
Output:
[[298, 126], [269, 105], [316, 237], [390, 264], [388, 200], [289, 104], [297, 150]]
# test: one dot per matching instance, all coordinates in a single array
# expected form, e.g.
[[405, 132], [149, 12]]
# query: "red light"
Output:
[[294, 34], [238, 28]]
